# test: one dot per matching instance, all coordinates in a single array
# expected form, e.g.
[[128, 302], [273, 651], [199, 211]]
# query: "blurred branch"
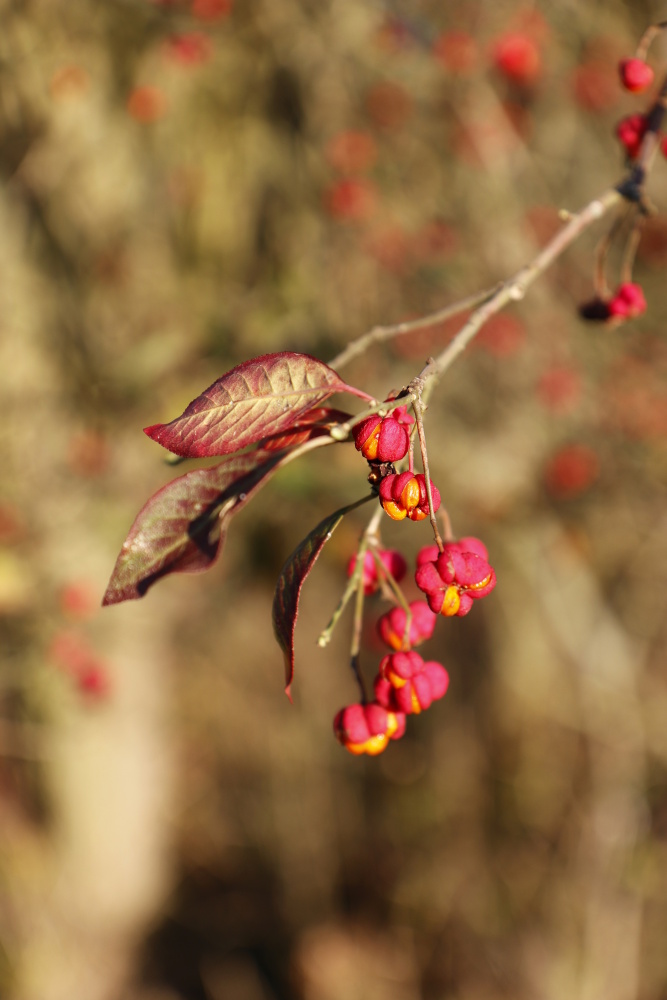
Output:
[[488, 302], [514, 289]]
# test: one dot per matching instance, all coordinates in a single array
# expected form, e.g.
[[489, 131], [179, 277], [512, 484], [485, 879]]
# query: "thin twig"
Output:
[[632, 187], [341, 432], [646, 39], [417, 388], [387, 580], [630, 251], [492, 302], [446, 525], [352, 584], [356, 638], [381, 333], [602, 253], [359, 677], [396, 593], [515, 287], [400, 600]]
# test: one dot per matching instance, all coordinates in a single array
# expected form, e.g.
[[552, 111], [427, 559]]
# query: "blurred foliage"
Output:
[[186, 184]]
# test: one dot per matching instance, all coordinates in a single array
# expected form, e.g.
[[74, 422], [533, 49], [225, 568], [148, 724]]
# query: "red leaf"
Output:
[[255, 400], [181, 529], [291, 580]]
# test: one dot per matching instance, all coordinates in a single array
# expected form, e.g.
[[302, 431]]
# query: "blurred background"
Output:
[[187, 184]]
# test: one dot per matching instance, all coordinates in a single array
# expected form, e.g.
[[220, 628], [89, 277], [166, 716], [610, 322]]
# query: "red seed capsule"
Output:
[[367, 728], [636, 75], [458, 576], [386, 439]]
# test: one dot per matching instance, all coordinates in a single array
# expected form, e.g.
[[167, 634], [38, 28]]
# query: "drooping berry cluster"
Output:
[[628, 302], [452, 576], [636, 77], [383, 441], [406, 684]]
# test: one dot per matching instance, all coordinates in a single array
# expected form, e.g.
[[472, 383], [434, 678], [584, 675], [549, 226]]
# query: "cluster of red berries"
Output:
[[385, 440], [630, 132], [452, 579], [627, 302], [636, 76], [405, 683]]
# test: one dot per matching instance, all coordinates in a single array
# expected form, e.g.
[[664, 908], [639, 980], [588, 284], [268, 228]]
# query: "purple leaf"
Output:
[[181, 528], [291, 580], [257, 399]]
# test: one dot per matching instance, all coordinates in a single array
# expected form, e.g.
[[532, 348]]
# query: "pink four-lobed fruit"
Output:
[[459, 575], [384, 439], [392, 626], [404, 495], [406, 683], [367, 728], [391, 559]]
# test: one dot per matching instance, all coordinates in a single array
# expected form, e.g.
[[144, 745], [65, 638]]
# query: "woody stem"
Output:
[[416, 387], [356, 638], [352, 584]]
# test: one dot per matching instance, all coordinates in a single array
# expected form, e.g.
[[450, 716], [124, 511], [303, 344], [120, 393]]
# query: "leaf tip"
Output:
[[153, 430], [288, 657]]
